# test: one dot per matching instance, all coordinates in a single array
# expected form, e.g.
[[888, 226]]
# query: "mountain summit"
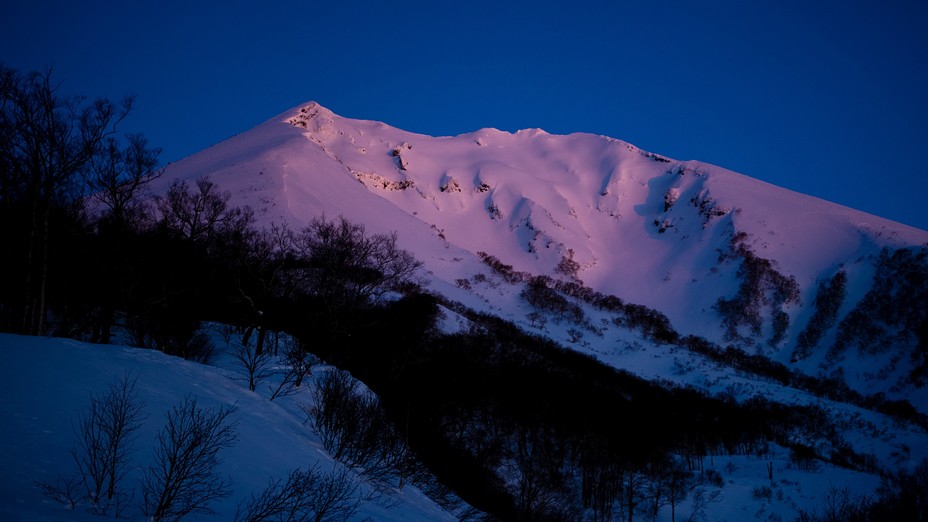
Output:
[[721, 255]]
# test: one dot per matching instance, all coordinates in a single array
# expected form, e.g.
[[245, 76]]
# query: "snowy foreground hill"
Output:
[[48, 384]]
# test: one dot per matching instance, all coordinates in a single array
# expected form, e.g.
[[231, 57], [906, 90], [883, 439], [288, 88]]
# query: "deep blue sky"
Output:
[[829, 98]]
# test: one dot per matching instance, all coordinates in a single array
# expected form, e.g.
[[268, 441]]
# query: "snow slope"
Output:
[[530, 197], [47, 383]]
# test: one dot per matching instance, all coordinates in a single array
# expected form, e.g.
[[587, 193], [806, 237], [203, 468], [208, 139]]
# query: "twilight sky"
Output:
[[828, 98]]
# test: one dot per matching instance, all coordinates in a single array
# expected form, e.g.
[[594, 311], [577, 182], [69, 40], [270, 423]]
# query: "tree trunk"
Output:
[[43, 277], [259, 343]]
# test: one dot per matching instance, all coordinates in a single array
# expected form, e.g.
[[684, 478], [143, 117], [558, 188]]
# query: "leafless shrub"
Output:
[[183, 478], [286, 374], [356, 431], [253, 366], [839, 505], [65, 491], [198, 348], [309, 494], [702, 498], [104, 436], [299, 361]]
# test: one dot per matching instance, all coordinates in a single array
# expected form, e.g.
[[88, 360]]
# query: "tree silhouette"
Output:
[[47, 146]]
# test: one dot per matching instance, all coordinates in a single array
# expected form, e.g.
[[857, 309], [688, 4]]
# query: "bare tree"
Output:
[[677, 484], [701, 499], [338, 415], [668, 484], [336, 497], [601, 481], [537, 464], [347, 270], [287, 384], [104, 435], [285, 373], [262, 274], [299, 364], [633, 484], [183, 478], [120, 174], [65, 491], [117, 181], [309, 494], [203, 213], [48, 142], [253, 366], [347, 264], [355, 429]]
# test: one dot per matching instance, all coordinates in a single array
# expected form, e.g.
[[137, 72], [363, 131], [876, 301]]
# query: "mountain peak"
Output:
[[532, 131], [311, 116]]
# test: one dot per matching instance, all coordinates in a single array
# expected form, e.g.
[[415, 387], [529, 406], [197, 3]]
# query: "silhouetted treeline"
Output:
[[580, 440]]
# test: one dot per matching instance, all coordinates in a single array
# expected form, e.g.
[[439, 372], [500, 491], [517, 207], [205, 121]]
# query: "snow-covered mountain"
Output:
[[623, 237], [723, 256]]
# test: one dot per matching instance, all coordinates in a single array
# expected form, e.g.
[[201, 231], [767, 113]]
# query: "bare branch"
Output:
[[183, 479]]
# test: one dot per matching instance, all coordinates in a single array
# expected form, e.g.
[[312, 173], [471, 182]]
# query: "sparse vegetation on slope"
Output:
[[761, 287], [828, 300], [891, 316]]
